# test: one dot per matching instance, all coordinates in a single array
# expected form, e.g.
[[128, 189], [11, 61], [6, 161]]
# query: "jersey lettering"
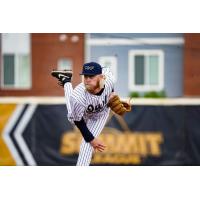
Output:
[[97, 108]]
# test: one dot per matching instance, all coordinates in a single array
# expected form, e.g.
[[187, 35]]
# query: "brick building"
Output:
[[27, 60], [192, 65]]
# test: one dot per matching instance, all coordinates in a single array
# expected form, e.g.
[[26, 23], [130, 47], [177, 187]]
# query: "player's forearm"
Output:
[[87, 135]]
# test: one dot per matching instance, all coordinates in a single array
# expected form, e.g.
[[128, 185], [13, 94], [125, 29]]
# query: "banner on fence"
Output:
[[34, 134]]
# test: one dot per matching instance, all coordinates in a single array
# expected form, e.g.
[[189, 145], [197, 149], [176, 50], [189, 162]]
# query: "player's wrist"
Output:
[[92, 140]]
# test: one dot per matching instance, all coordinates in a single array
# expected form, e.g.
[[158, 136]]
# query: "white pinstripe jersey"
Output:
[[87, 105]]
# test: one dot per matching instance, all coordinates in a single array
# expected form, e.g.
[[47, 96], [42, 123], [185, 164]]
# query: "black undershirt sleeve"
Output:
[[87, 135]]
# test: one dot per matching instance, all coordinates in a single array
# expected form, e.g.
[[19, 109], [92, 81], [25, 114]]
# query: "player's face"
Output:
[[92, 82]]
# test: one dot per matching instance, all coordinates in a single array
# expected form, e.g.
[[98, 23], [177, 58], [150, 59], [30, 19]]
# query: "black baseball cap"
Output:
[[91, 69]]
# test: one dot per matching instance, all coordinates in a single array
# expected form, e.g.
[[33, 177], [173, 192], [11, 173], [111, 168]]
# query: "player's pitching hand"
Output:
[[97, 145]]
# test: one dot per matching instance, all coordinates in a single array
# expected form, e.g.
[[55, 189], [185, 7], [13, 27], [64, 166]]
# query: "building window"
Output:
[[111, 63], [65, 63], [146, 70], [16, 67]]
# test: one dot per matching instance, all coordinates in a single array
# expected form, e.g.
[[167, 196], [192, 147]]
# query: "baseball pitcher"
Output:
[[89, 104]]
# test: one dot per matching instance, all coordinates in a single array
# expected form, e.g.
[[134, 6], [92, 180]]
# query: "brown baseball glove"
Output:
[[118, 106]]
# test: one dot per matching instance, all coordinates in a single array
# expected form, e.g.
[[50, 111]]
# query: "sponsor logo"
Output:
[[123, 147], [89, 67]]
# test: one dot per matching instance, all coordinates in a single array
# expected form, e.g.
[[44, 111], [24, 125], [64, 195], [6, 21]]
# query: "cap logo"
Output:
[[89, 67]]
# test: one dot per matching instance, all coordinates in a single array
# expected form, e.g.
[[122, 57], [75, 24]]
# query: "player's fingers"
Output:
[[98, 149], [102, 145], [101, 148]]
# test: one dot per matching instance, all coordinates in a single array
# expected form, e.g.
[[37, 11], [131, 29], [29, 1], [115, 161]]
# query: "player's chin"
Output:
[[89, 88]]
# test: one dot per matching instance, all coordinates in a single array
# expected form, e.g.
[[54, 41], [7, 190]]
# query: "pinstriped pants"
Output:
[[95, 127]]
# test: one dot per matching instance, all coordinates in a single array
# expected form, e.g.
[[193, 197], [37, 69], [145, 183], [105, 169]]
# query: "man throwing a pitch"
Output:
[[89, 104]]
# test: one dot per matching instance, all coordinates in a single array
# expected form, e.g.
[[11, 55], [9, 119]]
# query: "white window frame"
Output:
[[16, 74], [143, 88], [64, 58], [15, 86], [113, 60]]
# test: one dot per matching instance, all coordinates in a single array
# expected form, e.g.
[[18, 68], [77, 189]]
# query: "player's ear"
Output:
[[102, 81], [82, 78], [101, 76]]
